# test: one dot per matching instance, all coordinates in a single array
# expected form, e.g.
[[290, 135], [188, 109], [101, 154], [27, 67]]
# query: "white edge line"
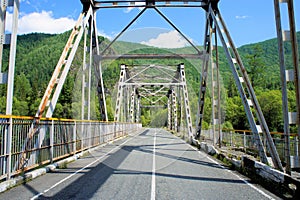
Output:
[[242, 179], [153, 169], [68, 177]]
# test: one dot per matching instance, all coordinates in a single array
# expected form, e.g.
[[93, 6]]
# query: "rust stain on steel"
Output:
[[58, 68], [49, 90]]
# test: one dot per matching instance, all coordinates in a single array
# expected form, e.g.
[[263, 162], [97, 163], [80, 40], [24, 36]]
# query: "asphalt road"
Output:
[[153, 164]]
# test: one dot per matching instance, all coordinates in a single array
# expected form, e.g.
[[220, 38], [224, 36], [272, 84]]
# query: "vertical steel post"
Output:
[[216, 49], [12, 59], [244, 139], [132, 105], [186, 102], [51, 141], [169, 112], [120, 93], [213, 121], [10, 81], [84, 67], [295, 55], [174, 110], [98, 70], [9, 133], [283, 83], [91, 31], [240, 76], [296, 147], [74, 137], [2, 30], [204, 75]]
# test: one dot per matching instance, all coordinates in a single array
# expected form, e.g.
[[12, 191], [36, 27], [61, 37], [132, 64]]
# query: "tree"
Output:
[[256, 66], [235, 113], [271, 105], [22, 87]]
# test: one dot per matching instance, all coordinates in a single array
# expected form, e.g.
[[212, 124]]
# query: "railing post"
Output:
[[100, 129], [74, 137], [115, 129], [8, 148], [51, 140], [230, 138], [296, 145], [244, 140], [82, 130], [90, 134]]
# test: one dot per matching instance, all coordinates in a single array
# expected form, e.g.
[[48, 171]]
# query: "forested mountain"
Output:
[[37, 56]]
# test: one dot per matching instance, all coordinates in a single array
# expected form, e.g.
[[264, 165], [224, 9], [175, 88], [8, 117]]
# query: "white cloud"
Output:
[[103, 34], [41, 22], [170, 39], [241, 17], [44, 22], [137, 4], [26, 1]]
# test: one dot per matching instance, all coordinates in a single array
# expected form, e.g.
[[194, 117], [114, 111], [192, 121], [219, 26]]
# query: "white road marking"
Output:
[[242, 179], [153, 169], [68, 177]]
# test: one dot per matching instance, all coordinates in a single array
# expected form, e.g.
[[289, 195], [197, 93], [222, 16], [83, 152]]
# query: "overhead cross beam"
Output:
[[99, 4]]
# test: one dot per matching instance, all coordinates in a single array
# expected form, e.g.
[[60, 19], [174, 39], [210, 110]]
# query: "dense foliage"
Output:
[[37, 56]]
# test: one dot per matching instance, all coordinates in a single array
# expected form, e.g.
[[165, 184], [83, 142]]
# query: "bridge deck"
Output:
[[153, 164]]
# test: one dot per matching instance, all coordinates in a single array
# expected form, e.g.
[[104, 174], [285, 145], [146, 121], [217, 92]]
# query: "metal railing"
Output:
[[54, 139], [243, 139]]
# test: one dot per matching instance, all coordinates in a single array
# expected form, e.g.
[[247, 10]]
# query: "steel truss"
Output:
[[288, 75], [86, 25], [85, 29], [216, 25], [8, 78], [135, 84]]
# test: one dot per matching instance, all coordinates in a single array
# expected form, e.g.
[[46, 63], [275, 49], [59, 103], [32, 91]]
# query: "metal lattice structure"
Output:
[[288, 75], [85, 29], [153, 86]]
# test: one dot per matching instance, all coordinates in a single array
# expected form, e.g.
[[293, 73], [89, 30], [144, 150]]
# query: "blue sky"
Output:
[[248, 21]]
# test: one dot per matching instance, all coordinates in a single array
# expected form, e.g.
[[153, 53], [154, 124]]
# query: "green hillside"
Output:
[[37, 56]]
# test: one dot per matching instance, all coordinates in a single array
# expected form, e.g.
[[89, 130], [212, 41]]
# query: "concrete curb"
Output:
[[276, 181], [6, 185]]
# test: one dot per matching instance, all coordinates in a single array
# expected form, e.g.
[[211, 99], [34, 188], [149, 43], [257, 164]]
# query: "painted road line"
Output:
[[85, 167], [153, 169], [242, 179]]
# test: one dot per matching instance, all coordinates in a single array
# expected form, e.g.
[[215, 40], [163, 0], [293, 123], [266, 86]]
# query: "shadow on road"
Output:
[[91, 181]]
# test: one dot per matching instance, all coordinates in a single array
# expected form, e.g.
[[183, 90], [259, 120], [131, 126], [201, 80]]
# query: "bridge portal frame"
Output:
[[172, 88]]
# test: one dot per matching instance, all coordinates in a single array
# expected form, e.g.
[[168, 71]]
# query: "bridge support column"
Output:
[[186, 101], [174, 111], [215, 87], [249, 97], [133, 106], [8, 78], [120, 93], [288, 75], [169, 111]]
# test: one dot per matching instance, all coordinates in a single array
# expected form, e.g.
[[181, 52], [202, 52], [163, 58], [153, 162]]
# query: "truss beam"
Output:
[[8, 78], [292, 75], [147, 3], [186, 102], [243, 83]]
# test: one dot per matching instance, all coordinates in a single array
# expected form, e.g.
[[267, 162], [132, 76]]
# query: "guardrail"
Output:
[[244, 139], [54, 139]]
